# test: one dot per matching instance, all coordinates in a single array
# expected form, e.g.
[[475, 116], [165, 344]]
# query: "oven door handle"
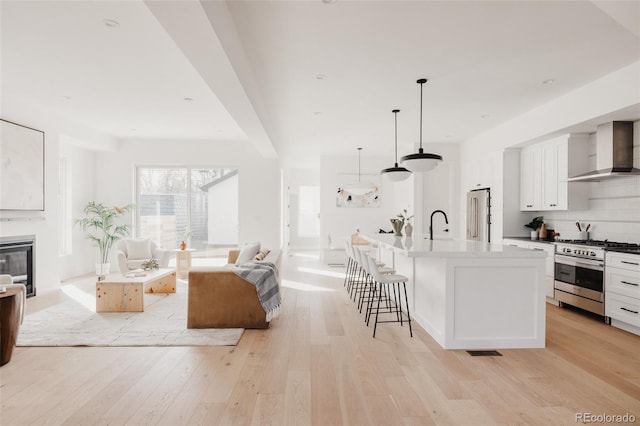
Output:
[[587, 265]]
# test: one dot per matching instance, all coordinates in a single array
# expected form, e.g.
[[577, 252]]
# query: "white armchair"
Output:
[[132, 253]]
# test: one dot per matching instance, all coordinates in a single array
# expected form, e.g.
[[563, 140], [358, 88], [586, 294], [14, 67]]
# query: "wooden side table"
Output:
[[183, 262], [10, 304]]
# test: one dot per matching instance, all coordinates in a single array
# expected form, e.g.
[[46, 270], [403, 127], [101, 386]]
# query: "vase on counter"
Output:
[[397, 227], [542, 235], [408, 229], [183, 245]]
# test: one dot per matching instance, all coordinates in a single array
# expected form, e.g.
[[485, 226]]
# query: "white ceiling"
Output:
[[251, 67]]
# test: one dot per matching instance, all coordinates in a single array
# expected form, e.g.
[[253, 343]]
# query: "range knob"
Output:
[[593, 253]]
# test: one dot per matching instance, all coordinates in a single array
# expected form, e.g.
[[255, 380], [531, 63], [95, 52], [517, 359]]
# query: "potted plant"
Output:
[[100, 224], [534, 225]]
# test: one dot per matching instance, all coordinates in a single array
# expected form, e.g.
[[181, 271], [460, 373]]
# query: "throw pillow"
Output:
[[247, 253], [138, 249], [261, 254]]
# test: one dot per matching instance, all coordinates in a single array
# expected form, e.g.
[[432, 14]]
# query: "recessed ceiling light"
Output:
[[133, 129], [328, 1], [111, 23], [188, 99], [66, 97], [317, 113], [448, 136], [548, 81], [485, 116], [321, 76]]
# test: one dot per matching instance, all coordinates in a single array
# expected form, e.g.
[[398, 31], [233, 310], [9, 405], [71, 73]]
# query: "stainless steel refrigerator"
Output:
[[479, 215]]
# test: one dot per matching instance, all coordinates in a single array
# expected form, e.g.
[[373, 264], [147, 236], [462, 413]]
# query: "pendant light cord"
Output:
[[395, 113], [422, 81], [359, 150], [421, 85]]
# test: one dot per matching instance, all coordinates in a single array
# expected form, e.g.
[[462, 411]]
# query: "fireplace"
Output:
[[16, 259]]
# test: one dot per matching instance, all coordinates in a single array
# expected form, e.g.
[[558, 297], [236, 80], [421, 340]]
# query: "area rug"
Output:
[[74, 322]]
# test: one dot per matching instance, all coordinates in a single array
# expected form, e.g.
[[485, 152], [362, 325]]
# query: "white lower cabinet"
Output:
[[549, 265], [622, 290]]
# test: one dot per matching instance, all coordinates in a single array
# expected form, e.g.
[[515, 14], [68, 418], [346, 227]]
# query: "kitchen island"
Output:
[[469, 294]]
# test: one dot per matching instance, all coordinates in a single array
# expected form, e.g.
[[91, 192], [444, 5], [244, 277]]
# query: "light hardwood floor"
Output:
[[318, 364]]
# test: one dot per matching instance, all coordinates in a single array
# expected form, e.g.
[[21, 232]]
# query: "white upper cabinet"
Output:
[[481, 172], [530, 178], [544, 169]]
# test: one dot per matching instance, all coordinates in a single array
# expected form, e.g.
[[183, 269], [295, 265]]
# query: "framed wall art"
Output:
[[359, 192], [21, 167]]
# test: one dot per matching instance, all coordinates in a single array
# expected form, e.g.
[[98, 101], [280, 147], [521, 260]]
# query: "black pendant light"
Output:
[[395, 173], [421, 162]]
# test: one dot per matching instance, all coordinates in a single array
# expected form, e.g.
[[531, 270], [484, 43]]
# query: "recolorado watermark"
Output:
[[605, 418]]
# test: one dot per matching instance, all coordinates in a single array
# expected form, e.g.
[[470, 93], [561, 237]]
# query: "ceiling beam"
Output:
[[188, 25]]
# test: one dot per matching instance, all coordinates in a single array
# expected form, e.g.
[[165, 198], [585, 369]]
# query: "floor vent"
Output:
[[484, 353]]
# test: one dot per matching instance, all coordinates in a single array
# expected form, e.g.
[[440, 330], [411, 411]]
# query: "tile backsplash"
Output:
[[614, 206], [614, 212]]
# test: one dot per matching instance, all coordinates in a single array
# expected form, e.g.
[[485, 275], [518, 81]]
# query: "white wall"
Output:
[[343, 221], [438, 189], [44, 225], [421, 194], [258, 178], [223, 212], [82, 164], [592, 103]]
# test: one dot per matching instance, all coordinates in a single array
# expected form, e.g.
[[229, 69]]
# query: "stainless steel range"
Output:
[[579, 272], [579, 276]]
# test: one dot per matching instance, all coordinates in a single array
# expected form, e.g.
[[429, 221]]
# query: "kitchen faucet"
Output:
[[431, 222]]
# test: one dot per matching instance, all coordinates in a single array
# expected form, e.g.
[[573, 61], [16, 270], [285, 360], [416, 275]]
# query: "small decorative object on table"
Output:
[[406, 218], [185, 237], [397, 227], [534, 225], [150, 264]]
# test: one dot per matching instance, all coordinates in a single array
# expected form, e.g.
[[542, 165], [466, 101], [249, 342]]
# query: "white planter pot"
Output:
[[102, 269], [534, 235]]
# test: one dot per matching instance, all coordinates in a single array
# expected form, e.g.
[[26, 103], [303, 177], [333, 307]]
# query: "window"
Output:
[[195, 204]]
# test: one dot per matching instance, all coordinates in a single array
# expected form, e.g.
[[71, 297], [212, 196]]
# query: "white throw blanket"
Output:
[[264, 276]]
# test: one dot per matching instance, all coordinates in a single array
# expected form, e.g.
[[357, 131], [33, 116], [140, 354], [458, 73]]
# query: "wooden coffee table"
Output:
[[117, 293]]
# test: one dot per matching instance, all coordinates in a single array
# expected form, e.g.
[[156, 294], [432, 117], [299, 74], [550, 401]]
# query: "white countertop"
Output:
[[419, 246]]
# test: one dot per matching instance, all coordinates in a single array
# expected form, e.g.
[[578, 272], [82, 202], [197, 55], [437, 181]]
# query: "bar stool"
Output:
[[368, 293], [355, 276], [382, 282], [351, 265], [365, 275]]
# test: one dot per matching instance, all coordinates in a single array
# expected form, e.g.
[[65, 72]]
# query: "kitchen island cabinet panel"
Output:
[[473, 295], [548, 248]]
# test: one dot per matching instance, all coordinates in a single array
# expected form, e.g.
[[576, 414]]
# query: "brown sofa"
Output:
[[218, 298]]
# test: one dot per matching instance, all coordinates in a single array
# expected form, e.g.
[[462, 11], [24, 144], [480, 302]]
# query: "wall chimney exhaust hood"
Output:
[[614, 153]]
